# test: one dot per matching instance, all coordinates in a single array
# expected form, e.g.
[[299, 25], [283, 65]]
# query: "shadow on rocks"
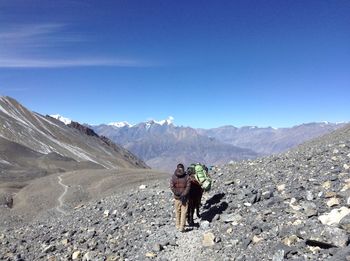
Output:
[[213, 207], [194, 224], [213, 200]]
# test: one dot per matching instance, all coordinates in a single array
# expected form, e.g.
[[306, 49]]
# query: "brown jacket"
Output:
[[180, 183]]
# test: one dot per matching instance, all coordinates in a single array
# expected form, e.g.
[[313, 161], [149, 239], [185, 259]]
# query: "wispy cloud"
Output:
[[28, 38], [54, 63], [35, 46], [23, 32]]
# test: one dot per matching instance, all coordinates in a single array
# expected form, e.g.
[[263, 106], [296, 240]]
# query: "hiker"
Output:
[[195, 197], [201, 173], [180, 184]]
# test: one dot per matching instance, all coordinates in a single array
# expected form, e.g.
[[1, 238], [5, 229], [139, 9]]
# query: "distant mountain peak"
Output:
[[120, 124], [332, 123], [148, 123], [61, 118], [168, 121]]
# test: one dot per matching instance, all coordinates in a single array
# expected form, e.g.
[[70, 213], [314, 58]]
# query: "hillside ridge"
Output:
[[45, 135]]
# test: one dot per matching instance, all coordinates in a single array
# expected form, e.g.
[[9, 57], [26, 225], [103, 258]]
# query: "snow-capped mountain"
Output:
[[168, 121], [120, 124], [61, 118], [162, 143]]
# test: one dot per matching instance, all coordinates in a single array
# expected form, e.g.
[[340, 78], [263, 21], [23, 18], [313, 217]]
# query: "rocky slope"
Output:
[[20, 163], [45, 135], [292, 206]]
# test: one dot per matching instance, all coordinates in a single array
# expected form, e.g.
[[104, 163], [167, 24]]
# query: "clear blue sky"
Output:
[[206, 63]]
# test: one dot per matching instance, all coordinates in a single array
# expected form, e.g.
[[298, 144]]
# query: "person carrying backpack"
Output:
[[201, 175], [180, 184]]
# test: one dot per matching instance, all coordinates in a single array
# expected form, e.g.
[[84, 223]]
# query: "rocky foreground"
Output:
[[289, 206]]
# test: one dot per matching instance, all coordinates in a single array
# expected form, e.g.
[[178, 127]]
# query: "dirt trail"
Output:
[[57, 194], [60, 199]]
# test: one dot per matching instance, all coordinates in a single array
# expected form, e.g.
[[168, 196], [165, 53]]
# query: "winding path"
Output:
[[60, 199]]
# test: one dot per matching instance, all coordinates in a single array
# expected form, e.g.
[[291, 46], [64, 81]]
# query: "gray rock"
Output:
[[309, 195], [49, 249], [267, 195], [246, 242], [204, 224], [253, 199], [342, 254], [157, 247], [310, 209], [324, 236], [229, 182], [345, 223], [228, 217], [278, 256]]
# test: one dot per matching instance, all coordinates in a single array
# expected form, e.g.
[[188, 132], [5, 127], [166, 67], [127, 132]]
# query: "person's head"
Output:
[[180, 166], [179, 172], [190, 170]]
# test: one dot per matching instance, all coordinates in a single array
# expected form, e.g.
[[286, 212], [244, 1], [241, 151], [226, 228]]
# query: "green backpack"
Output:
[[201, 176]]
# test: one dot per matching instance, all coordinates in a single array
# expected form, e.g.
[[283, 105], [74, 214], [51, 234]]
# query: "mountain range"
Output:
[[267, 141], [162, 144], [47, 144]]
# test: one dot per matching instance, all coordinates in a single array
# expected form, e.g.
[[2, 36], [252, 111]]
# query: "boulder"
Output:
[[208, 239], [323, 236], [333, 218], [76, 255], [333, 202], [345, 223]]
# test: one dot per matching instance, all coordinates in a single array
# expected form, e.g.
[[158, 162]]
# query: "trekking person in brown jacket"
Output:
[[180, 185]]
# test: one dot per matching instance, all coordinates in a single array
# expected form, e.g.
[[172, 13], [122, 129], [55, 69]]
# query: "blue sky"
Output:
[[205, 63]]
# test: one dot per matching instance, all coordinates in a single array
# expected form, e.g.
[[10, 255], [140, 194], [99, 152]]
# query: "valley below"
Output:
[[54, 193]]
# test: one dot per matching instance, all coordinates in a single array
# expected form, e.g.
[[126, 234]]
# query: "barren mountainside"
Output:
[[45, 144]]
